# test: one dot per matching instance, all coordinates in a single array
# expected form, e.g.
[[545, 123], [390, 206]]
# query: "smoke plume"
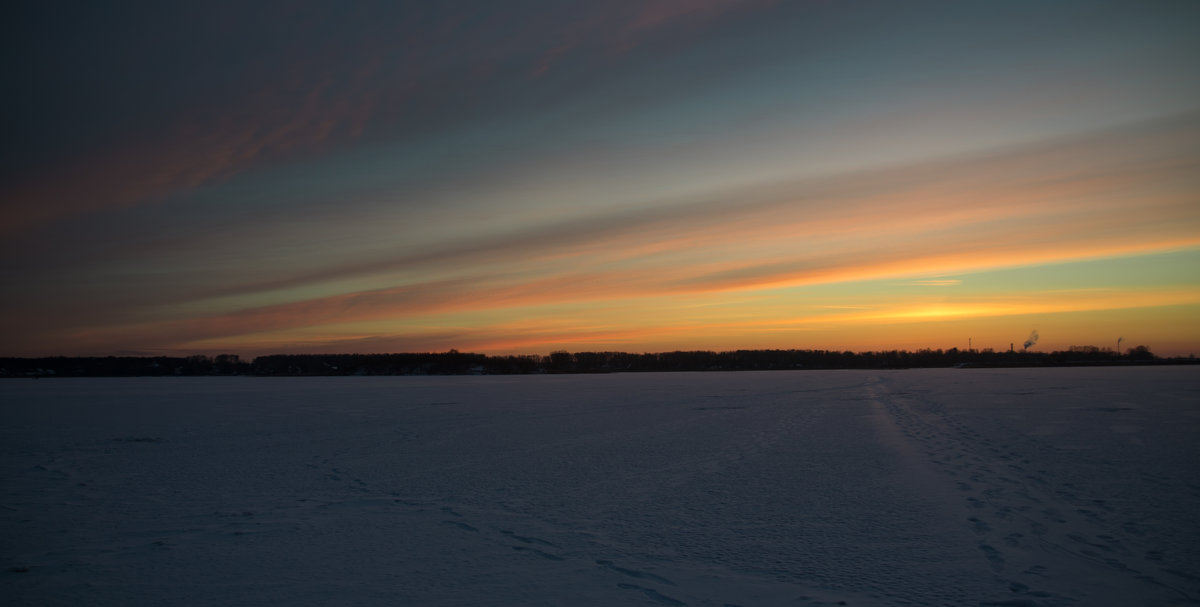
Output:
[[1032, 339]]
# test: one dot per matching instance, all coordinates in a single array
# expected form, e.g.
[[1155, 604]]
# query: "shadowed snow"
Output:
[[923, 487]]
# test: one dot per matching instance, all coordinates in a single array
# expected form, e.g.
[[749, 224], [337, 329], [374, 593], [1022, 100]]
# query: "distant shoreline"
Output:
[[561, 362]]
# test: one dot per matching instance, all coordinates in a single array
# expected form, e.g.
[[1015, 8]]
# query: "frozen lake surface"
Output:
[[1034, 487]]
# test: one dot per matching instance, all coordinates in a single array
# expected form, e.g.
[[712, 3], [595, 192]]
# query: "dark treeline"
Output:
[[123, 366], [460, 363]]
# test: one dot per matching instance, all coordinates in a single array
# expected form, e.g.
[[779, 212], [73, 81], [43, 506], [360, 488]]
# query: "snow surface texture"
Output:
[[922, 487]]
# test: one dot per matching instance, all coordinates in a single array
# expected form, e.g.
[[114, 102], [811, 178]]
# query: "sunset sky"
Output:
[[634, 175]]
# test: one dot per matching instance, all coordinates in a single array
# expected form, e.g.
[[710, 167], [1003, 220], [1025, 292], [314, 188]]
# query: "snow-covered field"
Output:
[[922, 487]]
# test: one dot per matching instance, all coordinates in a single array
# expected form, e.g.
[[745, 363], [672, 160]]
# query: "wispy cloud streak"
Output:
[[1012, 208], [1033, 204], [297, 97], [474, 174]]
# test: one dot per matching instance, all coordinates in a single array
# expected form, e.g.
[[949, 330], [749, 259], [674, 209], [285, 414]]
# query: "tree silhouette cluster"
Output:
[[124, 366], [461, 363]]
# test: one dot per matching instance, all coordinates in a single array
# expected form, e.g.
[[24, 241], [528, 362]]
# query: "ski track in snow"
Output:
[[1018, 487]]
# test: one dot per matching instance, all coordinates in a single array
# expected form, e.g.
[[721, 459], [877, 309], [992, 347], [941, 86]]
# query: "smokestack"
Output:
[[1010, 347]]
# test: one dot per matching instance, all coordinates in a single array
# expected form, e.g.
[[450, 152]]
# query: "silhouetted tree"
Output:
[[1140, 353]]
